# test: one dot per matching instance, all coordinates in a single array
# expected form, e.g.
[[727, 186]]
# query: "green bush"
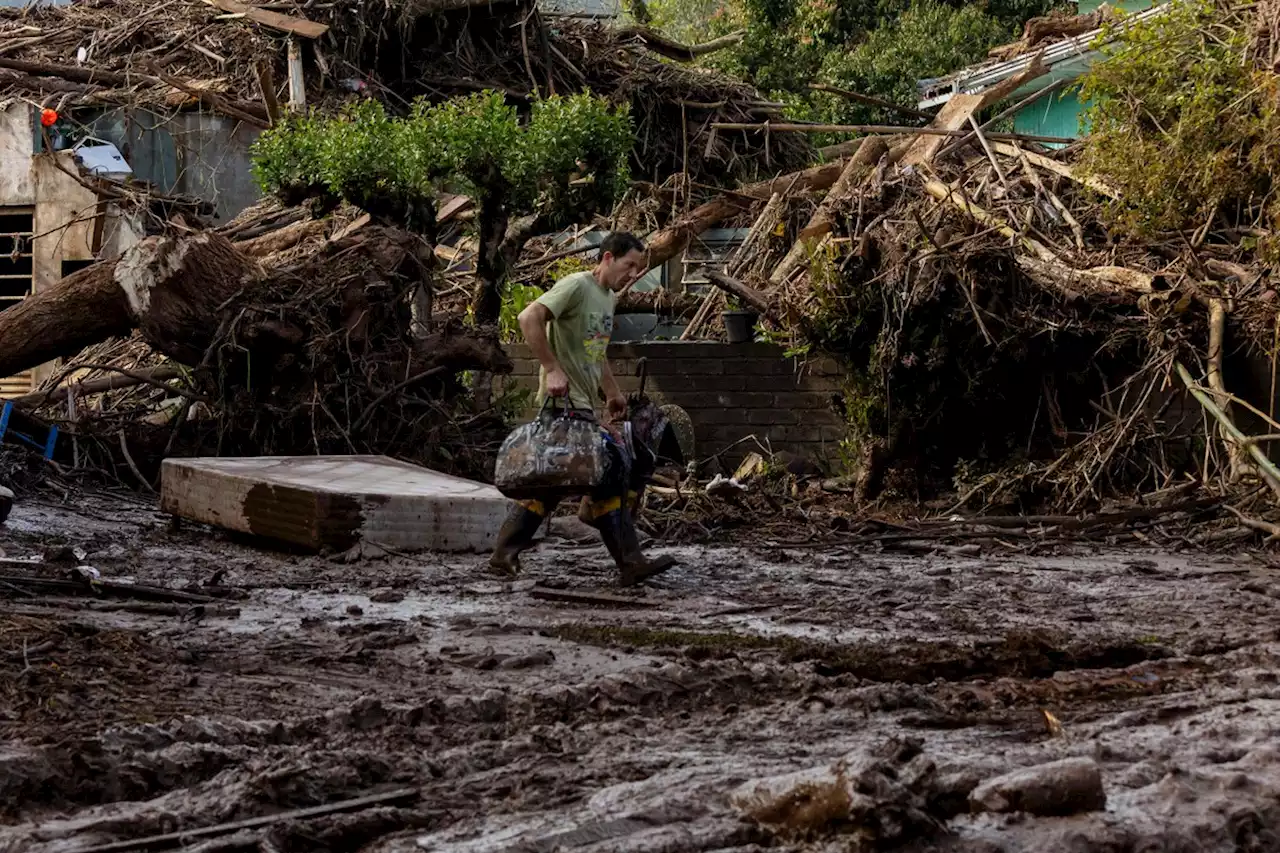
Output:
[[1182, 124], [876, 47], [572, 150], [289, 157]]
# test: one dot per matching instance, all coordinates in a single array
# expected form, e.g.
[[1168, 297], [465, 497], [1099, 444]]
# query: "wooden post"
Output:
[[297, 86]]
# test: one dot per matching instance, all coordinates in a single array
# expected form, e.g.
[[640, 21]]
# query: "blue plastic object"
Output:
[[46, 448]]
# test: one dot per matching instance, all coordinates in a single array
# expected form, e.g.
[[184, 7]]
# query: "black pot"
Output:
[[740, 326]]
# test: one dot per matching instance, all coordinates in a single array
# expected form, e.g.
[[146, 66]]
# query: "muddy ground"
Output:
[[497, 721]]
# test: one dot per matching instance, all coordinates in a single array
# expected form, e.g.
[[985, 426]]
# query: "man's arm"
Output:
[[612, 393], [560, 302], [533, 323]]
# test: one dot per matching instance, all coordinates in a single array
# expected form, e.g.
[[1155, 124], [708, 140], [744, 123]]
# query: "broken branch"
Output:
[[881, 129], [1266, 469], [871, 100], [663, 46], [749, 295]]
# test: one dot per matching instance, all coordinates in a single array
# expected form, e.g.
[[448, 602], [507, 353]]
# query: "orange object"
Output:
[[48, 117]]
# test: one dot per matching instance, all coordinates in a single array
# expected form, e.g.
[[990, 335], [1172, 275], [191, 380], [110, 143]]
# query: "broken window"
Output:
[[16, 229], [711, 252]]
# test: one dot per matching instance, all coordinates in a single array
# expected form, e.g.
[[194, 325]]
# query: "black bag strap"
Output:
[[553, 407]]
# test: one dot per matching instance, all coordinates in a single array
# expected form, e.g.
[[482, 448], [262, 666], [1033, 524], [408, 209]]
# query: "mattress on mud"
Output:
[[335, 502]]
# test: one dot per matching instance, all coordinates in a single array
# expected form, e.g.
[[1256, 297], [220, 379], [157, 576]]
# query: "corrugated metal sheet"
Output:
[[16, 386], [1055, 115], [190, 153], [1067, 58]]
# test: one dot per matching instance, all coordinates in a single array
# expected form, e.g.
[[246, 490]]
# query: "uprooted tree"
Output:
[[567, 162], [1035, 332], [325, 355], [321, 357]]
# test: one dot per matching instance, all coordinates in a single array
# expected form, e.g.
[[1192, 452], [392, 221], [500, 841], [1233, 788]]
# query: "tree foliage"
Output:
[[569, 155], [876, 47], [1183, 124], [928, 40]]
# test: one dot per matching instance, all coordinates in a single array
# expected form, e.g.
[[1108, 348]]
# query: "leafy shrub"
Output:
[[573, 149], [1182, 124]]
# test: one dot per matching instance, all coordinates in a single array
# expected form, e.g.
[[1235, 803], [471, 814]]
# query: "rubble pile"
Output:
[[206, 55], [1005, 342], [325, 346]]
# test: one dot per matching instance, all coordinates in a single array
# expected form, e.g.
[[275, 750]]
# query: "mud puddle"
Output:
[[801, 699]]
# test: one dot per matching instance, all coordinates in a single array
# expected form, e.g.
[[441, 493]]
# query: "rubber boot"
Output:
[[516, 535], [618, 531]]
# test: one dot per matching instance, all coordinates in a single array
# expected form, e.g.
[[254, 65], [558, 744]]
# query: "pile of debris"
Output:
[[244, 62], [1003, 343], [315, 337]]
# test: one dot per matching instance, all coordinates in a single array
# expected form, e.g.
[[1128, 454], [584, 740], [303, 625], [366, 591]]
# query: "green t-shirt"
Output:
[[579, 335]]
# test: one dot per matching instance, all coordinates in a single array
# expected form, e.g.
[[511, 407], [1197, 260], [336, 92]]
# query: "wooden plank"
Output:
[[297, 83], [598, 598], [452, 207], [1059, 168], [954, 115], [285, 23]]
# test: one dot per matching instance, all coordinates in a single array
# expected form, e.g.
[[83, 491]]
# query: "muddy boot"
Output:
[[619, 534], [515, 536]]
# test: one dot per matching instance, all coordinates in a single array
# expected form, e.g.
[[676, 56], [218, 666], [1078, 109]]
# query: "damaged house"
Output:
[[1047, 105]]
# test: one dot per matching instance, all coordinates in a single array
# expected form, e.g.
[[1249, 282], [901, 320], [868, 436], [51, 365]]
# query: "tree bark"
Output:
[[169, 287], [176, 288], [491, 270], [670, 241]]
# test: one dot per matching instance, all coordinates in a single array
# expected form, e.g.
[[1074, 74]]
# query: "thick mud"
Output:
[[795, 699]]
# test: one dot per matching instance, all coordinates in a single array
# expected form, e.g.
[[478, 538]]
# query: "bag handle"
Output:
[[554, 408]]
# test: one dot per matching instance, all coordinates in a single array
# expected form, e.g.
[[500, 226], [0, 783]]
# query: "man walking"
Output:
[[568, 330]]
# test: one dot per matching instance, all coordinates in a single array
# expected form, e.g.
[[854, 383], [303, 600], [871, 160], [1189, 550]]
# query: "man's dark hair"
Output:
[[619, 243]]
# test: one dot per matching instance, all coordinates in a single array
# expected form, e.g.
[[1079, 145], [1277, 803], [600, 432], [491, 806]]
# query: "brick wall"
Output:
[[731, 392]]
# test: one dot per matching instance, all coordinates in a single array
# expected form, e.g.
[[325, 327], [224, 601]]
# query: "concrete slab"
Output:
[[335, 501]]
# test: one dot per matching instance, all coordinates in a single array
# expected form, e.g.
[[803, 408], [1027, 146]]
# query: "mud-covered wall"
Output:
[[731, 392]]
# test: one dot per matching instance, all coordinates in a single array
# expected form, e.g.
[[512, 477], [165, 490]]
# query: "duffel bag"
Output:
[[560, 450]]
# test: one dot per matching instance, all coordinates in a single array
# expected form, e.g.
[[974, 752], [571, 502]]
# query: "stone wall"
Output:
[[731, 392]]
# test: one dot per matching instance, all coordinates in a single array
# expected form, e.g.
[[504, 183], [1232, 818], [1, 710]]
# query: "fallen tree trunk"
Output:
[[177, 287], [749, 295], [82, 309], [1120, 282], [170, 288], [670, 241]]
